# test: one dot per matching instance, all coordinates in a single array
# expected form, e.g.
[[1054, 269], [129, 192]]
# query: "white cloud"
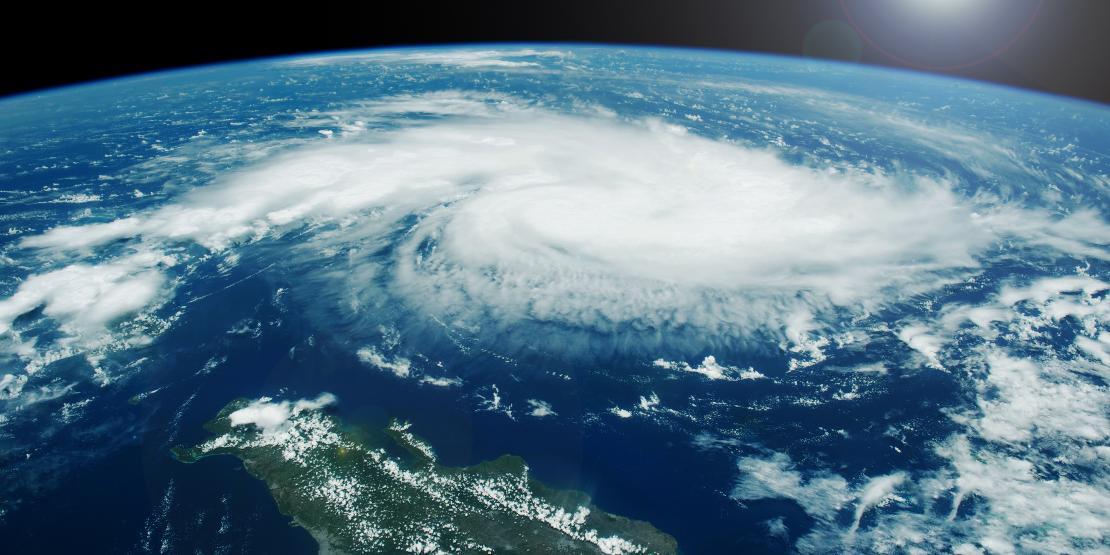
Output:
[[515, 215], [96, 308], [512, 218], [270, 416], [917, 337], [76, 198], [11, 385], [711, 369], [1024, 511], [1027, 472], [751, 374], [821, 494], [464, 58], [490, 400], [440, 381], [84, 299], [526, 222], [399, 366], [355, 119], [540, 409], [649, 403], [1048, 289], [1027, 399], [1098, 349], [873, 493], [1035, 410]]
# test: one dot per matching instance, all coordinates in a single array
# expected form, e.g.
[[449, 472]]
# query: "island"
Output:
[[358, 491]]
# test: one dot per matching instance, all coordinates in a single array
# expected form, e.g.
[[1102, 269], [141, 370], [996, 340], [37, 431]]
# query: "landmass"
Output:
[[358, 491]]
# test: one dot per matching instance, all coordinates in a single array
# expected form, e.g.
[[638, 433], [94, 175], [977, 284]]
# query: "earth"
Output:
[[553, 298]]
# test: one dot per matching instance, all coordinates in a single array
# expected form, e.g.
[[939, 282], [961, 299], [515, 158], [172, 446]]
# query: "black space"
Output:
[[1066, 49]]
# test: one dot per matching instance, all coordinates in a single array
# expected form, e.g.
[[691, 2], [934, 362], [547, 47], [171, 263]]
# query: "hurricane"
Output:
[[868, 322]]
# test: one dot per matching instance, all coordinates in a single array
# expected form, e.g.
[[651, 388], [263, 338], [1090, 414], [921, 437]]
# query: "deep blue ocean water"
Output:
[[272, 315]]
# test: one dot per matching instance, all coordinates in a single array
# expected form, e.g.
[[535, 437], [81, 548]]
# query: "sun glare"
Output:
[[946, 8]]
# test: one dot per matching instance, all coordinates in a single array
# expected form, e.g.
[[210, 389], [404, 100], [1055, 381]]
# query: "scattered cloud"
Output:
[[540, 409], [1025, 472], [711, 369], [399, 366]]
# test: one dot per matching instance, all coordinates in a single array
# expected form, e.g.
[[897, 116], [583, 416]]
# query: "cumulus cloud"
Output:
[[918, 338], [490, 400], [1036, 398], [11, 385], [94, 307], [711, 369], [440, 381], [1026, 473], [1036, 408], [540, 409], [399, 366], [821, 494], [85, 298], [270, 416]]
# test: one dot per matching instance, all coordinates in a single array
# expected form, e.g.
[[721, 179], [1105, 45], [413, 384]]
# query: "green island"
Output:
[[380, 492]]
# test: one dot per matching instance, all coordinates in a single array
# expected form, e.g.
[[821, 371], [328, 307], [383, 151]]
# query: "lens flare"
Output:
[[947, 8], [941, 35]]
